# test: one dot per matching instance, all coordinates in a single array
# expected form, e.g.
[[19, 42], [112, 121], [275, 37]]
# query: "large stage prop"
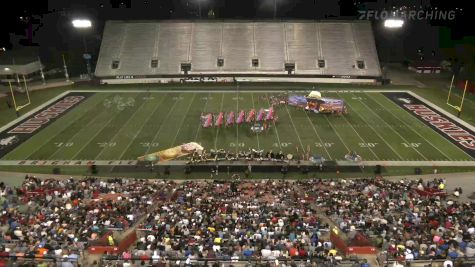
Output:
[[172, 153], [314, 102]]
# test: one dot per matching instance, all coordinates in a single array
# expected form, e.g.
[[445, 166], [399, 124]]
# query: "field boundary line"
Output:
[[141, 128], [443, 111], [410, 127], [377, 133], [405, 140], [183, 120], [122, 127], [112, 163], [33, 111]]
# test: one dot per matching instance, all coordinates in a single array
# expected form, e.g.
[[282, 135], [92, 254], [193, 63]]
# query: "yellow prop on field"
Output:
[[172, 153]]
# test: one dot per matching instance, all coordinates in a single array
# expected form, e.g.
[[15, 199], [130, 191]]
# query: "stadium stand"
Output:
[[281, 51], [234, 221]]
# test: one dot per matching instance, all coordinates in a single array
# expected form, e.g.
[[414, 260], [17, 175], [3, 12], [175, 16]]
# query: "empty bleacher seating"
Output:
[[240, 47]]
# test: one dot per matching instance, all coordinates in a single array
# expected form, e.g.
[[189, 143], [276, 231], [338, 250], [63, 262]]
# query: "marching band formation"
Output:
[[229, 118]]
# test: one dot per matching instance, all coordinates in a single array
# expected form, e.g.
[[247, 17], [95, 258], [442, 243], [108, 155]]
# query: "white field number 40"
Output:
[[149, 144]]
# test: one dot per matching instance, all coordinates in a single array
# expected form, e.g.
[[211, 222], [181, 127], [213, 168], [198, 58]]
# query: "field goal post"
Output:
[[27, 92], [460, 106]]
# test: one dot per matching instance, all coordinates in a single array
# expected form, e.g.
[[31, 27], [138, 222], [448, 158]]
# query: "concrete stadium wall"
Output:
[[245, 79]]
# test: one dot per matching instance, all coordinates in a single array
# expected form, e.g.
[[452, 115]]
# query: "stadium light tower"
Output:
[[393, 23], [84, 24]]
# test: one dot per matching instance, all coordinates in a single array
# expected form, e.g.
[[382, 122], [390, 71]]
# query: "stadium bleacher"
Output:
[[141, 49]]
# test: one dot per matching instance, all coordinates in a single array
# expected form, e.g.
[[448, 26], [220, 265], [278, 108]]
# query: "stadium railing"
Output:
[[386, 260], [12, 258], [170, 261]]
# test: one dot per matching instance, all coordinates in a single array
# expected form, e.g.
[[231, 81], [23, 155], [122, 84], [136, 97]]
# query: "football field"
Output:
[[123, 125]]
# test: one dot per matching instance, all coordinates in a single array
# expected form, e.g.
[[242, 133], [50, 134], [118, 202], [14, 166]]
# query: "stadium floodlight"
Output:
[[6, 69], [82, 23], [393, 23]]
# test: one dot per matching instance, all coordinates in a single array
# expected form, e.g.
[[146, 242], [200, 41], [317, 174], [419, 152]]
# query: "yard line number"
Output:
[[64, 144], [149, 144], [107, 144], [326, 144], [369, 145], [411, 145], [240, 144], [282, 144]]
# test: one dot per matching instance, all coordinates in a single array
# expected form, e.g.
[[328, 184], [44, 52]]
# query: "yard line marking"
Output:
[[52, 137], [183, 120], [361, 138], [315, 130], [295, 129], [69, 139], [94, 136], [336, 132], [410, 127], [377, 133], [161, 125], [120, 129], [217, 130], [199, 123], [257, 134], [275, 128], [141, 128], [392, 128], [237, 115]]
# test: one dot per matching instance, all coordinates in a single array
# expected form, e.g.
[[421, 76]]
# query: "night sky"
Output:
[[47, 23]]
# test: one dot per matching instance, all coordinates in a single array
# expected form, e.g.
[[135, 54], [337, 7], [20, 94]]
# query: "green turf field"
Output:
[[112, 126]]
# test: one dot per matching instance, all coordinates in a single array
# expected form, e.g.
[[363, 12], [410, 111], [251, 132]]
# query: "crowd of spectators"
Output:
[[406, 223], [267, 219], [58, 218]]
